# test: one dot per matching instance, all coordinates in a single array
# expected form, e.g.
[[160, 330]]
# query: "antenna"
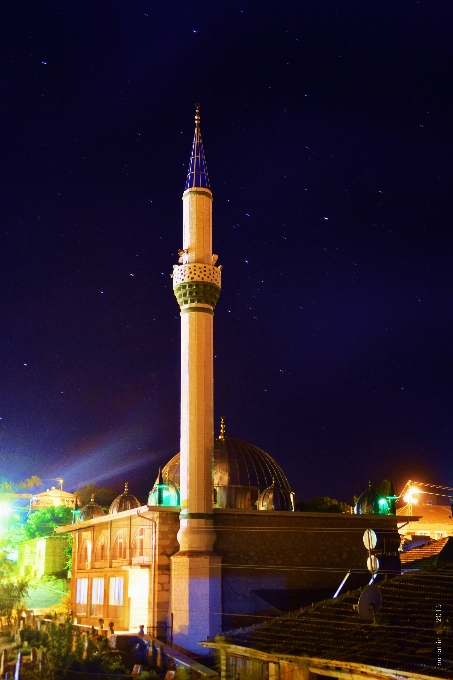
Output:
[[369, 603], [60, 481]]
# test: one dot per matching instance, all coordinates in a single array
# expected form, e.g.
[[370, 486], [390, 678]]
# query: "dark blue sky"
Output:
[[327, 127]]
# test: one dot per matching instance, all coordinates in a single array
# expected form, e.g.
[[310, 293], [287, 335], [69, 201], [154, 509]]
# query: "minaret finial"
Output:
[[126, 487], [92, 498], [222, 435], [197, 115]]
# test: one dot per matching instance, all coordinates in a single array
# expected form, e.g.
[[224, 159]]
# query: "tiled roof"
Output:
[[416, 612], [429, 514], [424, 555]]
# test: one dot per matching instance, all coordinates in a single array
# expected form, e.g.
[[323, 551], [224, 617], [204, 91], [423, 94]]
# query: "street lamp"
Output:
[[410, 498]]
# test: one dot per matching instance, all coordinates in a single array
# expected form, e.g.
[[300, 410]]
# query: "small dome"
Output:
[[90, 511], [368, 502], [125, 501], [275, 498], [241, 472], [164, 493]]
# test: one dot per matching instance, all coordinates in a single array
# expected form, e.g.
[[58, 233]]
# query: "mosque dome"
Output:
[[164, 493], [90, 511], [275, 498], [368, 502], [125, 501], [242, 472]]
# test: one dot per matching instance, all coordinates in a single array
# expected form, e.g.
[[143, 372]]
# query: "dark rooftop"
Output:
[[428, 555], [416, 612]]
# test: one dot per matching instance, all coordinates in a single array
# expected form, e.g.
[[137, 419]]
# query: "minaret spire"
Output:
[[196, 600], [197, 175]]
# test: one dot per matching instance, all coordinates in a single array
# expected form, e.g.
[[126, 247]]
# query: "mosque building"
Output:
[[218, 542]]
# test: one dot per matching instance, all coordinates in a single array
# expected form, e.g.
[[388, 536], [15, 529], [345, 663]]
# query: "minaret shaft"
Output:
[[197, 404], [197, 226], [197, 286]]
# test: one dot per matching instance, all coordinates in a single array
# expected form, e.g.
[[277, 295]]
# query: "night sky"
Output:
[[327, 127]]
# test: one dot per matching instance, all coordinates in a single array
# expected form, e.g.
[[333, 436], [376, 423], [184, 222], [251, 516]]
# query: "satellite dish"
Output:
[[369, 603], [372, 564], [370, 539]]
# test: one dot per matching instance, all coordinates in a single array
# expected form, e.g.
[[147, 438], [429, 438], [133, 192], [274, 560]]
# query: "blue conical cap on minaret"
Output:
[[197, 175]]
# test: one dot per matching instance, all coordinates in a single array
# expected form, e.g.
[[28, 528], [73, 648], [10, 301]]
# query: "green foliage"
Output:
[[102, 495], [6, 566], [34, 638], [6, 486], [149, 675], [29, 483], [323, 504], [67, 550], [12, 594], [12, 590], [112, 664], [43, 522], [68, 649], [62, 649]]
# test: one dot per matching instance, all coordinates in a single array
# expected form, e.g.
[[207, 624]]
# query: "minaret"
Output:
[[195, 571]]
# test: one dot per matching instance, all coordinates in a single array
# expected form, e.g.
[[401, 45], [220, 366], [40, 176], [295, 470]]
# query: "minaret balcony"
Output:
[[196, 271]]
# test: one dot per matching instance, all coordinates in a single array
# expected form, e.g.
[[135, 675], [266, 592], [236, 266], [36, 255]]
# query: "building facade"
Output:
[[39, 557], [122, 563]]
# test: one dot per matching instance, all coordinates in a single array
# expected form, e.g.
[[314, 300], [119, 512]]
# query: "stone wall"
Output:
[[289, 551]]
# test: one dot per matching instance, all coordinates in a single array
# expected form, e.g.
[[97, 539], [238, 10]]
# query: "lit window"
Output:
[[119, 549], [141, 542], [97, 591], [85, 555], [81, 590], [101, 550], [116, 590]]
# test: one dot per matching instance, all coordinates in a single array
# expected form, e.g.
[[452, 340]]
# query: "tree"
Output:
[[12, 590], [43, 522], [67, 550], [7, 486], [69, 649], [323, 504], [29, 483], [102, 495]]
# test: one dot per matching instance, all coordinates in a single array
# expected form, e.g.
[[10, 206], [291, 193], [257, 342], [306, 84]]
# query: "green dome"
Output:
[[368, 502], [164, 493]]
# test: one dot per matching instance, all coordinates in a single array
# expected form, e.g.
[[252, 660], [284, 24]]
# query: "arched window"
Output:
[[101, 553], [120, 547], [140, 545], [85, 554]]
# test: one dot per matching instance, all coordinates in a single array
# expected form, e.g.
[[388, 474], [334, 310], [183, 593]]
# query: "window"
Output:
[[81, 590], [101, 550], [97, 591], [85, 555], [119, 548], [141, 542], [116, 591], [138, 546]]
